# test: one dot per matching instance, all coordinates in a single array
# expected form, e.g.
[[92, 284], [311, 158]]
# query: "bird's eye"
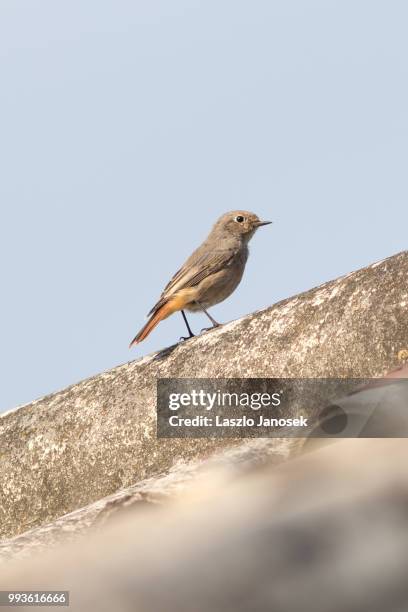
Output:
[[239, 219]]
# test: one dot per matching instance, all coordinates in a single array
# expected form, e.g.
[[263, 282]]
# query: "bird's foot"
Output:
[[182, 338], [210, 328]]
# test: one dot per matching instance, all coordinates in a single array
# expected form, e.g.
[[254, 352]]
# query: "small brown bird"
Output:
[[210, 274]]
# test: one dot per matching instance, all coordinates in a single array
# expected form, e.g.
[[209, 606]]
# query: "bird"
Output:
[[209, 275]]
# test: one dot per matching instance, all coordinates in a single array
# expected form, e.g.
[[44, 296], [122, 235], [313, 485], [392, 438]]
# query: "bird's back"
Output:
[[217, 251]]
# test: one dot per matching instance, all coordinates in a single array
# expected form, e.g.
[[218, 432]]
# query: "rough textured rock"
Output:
[[326, 532], [86, 442], [151, 491]]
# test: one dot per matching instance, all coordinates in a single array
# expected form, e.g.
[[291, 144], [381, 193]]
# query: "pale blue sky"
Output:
[[128, 127]]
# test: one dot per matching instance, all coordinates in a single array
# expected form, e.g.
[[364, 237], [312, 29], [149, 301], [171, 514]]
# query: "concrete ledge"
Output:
[[81, 444]]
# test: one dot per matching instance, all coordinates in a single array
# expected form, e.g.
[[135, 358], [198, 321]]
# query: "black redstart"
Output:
[[210, 274]]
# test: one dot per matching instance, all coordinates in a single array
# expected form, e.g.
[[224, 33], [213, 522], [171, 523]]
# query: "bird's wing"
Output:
[[194, 271]]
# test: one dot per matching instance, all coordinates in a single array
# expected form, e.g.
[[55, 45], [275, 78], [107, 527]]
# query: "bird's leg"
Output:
[[188, 328], [213, 321]]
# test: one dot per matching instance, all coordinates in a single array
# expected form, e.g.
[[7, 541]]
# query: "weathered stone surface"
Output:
[[94, 438], [154, 491], [388, 396]]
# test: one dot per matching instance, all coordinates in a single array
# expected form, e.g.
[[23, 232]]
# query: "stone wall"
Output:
[[97, 437]]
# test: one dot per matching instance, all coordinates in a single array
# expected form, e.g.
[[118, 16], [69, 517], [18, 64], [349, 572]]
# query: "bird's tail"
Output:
[[164, 311]]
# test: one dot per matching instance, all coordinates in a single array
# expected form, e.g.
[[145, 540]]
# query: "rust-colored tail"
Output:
[[158, 315]]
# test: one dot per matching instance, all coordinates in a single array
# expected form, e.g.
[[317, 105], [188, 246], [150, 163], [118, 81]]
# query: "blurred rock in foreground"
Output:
[[327, 531]]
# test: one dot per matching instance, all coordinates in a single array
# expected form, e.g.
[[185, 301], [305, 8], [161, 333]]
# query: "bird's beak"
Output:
[[260, 223]]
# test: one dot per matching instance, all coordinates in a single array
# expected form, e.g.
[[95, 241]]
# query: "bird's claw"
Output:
[[182, 338], [210, 328]]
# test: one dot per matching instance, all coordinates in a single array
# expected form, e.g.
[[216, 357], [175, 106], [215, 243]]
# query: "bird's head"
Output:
[[239, 223]]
